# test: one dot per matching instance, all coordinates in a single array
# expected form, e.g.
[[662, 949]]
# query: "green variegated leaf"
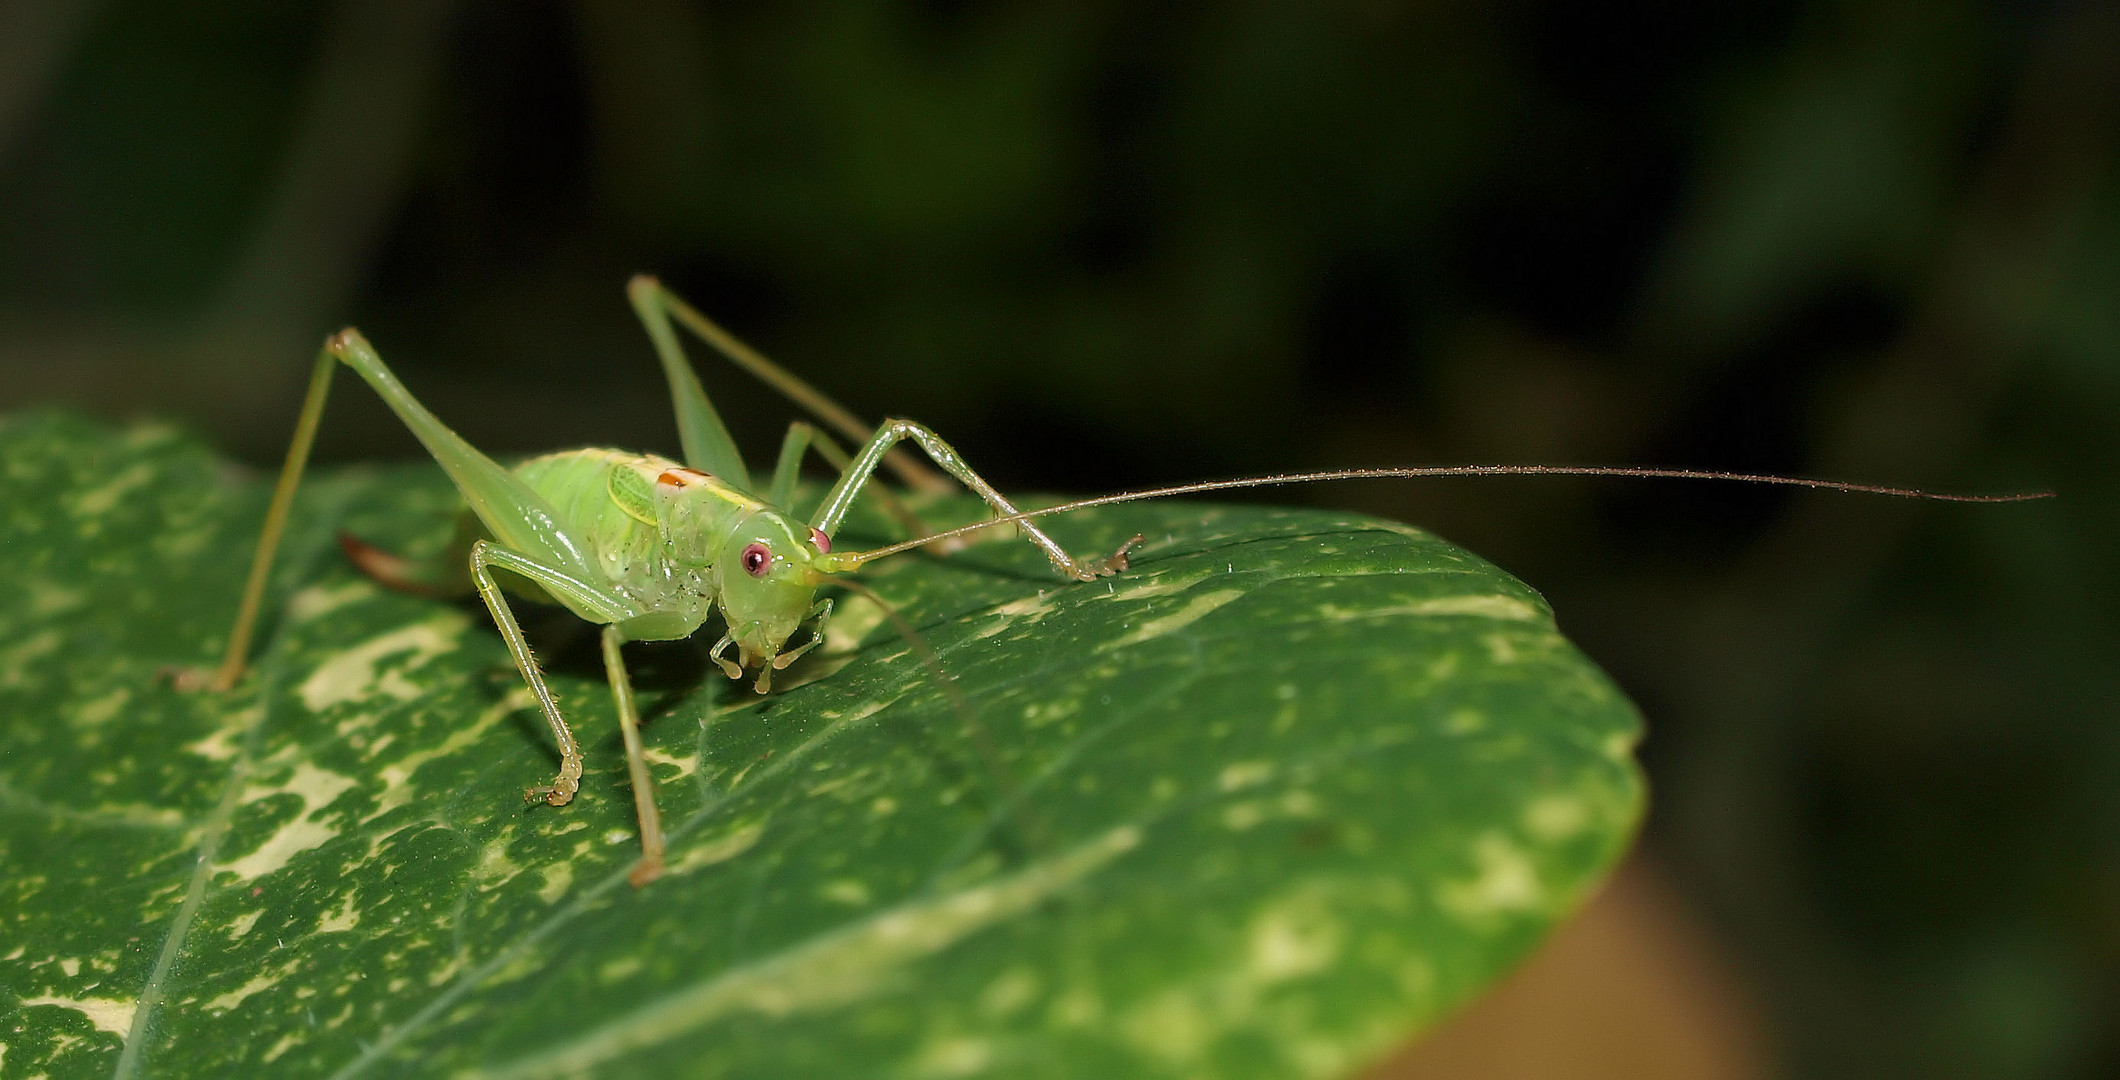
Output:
[[1264, 806]]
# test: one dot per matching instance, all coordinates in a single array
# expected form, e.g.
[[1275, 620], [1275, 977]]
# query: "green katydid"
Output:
[[653, 549]]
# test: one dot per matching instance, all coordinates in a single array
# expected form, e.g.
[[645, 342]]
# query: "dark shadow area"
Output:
[[1101, 248]]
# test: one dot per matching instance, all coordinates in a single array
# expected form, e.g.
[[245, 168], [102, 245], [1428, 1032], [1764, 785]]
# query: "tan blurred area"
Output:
[[1632, 989]]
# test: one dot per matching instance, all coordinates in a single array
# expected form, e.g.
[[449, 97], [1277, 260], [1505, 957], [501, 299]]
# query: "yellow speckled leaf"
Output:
[[1262, 807]]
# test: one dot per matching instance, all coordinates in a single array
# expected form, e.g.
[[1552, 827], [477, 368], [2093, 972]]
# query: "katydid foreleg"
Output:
[[805, 437], [863, 467]]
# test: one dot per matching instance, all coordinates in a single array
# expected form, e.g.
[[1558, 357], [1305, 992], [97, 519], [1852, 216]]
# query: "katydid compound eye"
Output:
[[756, 559], [820, 541]]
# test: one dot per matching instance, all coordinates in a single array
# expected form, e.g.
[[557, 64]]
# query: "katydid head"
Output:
[[769, 570]]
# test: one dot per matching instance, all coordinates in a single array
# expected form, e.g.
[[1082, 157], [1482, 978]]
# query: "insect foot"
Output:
[[561, 791], [728, 667], [186, 680], [1119, 562], [1090, 570], [645, 871]]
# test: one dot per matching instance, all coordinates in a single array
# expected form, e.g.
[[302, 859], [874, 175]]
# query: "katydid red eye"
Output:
[[820, 541], [756, 559]]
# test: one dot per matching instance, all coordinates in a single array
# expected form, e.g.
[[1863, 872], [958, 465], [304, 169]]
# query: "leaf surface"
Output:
[[1286, 792]]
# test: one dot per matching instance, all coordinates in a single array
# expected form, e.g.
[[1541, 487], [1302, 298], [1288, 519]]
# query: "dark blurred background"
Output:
[[1102, 245]]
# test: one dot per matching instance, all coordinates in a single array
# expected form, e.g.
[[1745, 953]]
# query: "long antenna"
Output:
[[856, 558]]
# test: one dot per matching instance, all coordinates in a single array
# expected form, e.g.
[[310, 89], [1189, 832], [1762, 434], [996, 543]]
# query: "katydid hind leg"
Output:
[[514, 514], [507, 506], [650, 866], [237, 655]]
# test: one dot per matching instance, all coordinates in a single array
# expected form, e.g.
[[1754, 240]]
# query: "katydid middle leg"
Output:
[[706, 442], [608, 607], [800, 439], [650, 866], [484, 556]]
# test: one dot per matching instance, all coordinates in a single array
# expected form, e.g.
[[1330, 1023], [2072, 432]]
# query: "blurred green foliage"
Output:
[[1103, 245]]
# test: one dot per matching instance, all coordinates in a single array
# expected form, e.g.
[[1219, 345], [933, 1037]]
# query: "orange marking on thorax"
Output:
[[682, 477]]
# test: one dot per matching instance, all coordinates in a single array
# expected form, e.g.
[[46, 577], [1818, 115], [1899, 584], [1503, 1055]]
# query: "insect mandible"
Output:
[[652, 549]]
